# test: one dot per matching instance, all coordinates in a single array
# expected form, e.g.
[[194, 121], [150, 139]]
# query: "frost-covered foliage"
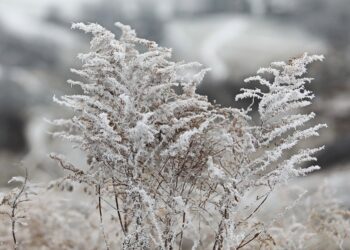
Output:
[[56, 219], [51, 220], [166, 168], [281, 126], [172, 165], [318, 221]]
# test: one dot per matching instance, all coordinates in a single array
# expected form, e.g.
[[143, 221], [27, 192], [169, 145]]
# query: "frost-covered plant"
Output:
[[12, 208], [51, 219], [172, 166], [318, 221]]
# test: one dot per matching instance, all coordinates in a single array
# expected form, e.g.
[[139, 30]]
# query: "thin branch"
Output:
[[117, 206], [14, 207], [101, 216]]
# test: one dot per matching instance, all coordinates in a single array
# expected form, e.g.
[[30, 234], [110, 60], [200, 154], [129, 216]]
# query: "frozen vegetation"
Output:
[[166, 169]]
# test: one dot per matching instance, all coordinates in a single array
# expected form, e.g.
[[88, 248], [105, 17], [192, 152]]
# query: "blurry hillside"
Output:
[[234, 38]]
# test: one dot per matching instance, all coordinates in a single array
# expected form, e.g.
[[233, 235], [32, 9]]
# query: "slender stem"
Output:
[[117, 206], [14, 207], [182, 229], [101, 217], [242, 244]]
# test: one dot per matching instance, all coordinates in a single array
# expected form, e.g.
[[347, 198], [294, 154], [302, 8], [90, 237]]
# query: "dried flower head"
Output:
[[176, 167]]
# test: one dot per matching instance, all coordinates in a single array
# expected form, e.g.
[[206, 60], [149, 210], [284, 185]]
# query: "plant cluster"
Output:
[[170, 168]]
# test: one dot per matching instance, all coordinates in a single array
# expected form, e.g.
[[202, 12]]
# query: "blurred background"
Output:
[[233, 37]]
